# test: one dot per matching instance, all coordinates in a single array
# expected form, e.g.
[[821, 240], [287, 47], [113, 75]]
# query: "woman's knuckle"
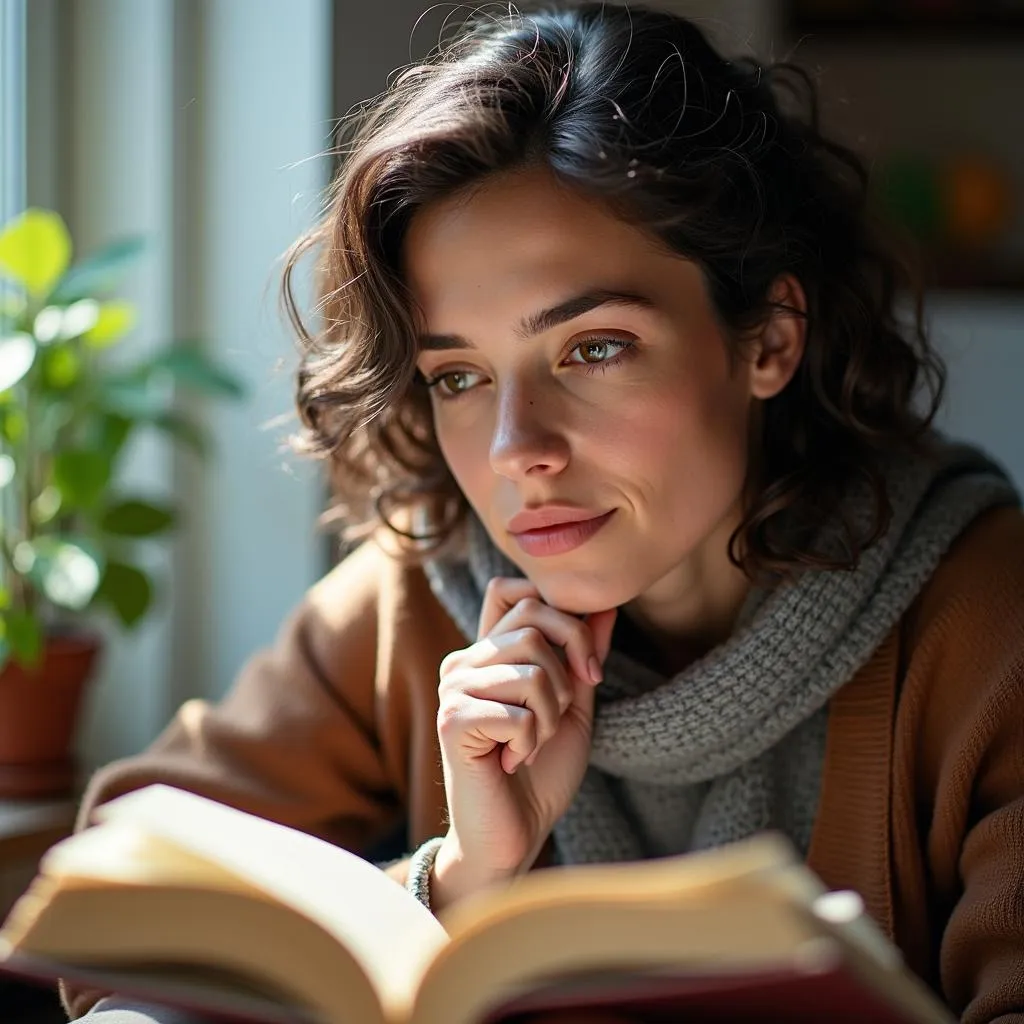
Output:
[[531, 637], [449, 663], [450, 717], [534, 676], [448, 684]]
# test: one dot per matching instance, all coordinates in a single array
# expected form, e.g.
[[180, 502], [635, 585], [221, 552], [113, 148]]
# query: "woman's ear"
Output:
[[779, 347]]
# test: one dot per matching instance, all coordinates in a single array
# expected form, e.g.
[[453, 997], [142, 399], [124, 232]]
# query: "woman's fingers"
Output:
[[516, 603], [525, 646], [562, 630], [477, 726], [503, 593], [532, 662], [601, 625], [521, 686]]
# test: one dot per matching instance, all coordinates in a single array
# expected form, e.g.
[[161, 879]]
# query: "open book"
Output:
[[181, 900]]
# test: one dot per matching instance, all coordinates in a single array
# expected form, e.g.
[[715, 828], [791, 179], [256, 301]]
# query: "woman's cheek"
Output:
[[466, 451]]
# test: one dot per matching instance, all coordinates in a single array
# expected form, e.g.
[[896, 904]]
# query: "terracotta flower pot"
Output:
[[39, 711]]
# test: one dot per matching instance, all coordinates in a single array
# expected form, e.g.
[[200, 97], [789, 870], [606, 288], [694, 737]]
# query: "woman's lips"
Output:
[[560, 537]]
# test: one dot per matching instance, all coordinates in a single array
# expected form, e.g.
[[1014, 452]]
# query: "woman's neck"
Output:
[[695, 606]]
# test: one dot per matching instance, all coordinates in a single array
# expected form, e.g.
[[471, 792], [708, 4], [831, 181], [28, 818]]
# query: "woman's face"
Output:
[[579, 374]]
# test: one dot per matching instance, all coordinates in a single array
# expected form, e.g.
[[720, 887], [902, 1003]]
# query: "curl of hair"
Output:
[[723, 161]]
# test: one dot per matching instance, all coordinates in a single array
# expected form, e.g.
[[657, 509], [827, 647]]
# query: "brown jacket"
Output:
[[332, 730]]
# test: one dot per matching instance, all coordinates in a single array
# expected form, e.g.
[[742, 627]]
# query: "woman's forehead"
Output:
[[519, 233]]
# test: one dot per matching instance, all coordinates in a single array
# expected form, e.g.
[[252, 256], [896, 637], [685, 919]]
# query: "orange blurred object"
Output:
[[978, 198]]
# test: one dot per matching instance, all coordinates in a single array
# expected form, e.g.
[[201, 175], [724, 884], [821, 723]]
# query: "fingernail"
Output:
[[595, 669]]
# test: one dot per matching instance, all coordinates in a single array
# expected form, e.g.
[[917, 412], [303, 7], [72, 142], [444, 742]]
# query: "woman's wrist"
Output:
[[453, 877], [448, 881]]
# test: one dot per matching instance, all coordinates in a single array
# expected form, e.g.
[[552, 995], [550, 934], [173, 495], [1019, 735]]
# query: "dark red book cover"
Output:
[[832, 994]]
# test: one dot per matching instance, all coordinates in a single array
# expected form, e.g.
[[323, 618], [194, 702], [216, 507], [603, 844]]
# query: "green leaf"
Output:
[[139, 400], [45, 506], [187, 431], [135, 396], [56, 411], [99, 272], [13, 424], [66, 570], [61, 367], [115, 320], [135, 518], [110, 433], [35, 249], [81, 476], [7, 470], [192, 369], [127, 590], [24, 636], [17, 354]]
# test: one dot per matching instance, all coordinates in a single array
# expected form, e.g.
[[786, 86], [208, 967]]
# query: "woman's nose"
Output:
[[526, 440]]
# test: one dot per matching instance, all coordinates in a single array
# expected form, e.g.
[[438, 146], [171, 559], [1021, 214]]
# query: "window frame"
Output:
[[12, 108]]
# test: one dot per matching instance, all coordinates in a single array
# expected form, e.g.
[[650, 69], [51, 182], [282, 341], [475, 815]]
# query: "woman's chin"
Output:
[[577, 596]]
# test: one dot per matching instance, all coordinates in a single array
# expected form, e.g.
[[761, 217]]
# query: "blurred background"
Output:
[[202, 123]]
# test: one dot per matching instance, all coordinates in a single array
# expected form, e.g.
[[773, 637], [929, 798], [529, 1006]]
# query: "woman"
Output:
[[608, 372]]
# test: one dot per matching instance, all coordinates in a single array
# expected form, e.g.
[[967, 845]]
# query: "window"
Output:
[[12, 108]]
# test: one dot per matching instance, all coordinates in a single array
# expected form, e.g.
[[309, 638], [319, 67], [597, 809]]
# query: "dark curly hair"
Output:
[[721, 160]]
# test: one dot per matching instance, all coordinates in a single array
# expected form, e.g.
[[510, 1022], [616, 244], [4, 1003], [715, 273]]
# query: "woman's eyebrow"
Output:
[[545, 319]]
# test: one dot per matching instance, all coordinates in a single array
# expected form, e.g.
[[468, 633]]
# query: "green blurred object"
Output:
[[68, 534], [909, 192]]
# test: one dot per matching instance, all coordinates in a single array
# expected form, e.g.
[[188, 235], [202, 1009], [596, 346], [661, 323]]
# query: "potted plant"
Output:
[[68, 531]]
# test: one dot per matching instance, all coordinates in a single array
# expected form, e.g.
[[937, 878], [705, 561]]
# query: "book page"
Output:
[[123, 853], [389, 932]]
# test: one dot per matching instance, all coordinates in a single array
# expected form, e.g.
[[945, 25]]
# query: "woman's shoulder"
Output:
[[979, 582], [351, 588], [963, 639], [371, 589]]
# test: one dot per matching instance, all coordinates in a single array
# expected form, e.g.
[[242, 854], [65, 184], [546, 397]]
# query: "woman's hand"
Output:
[[514, 722]]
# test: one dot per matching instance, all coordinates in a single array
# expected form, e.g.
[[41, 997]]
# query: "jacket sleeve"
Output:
[[982, 950], [972, 790], [294, 740]]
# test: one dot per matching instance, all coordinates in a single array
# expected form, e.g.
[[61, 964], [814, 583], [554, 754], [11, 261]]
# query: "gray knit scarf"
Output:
[[735, 743]]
